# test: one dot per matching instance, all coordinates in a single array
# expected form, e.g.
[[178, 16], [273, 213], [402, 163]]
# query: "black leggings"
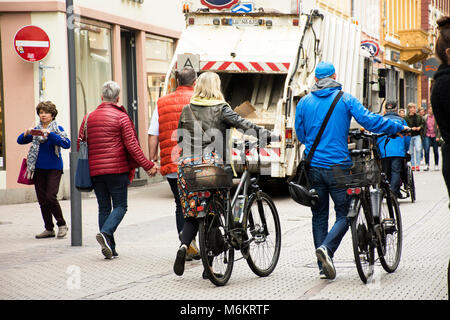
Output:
[[190, 230], [446, 165]]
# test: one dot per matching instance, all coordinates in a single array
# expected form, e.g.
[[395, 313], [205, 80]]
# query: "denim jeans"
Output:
[[111, 191], [393, 166], [415, 145], [427, 142], [323, 181]]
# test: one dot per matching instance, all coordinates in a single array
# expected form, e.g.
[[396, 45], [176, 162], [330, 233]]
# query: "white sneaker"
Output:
[[436, 168], [327, 262], [62, 231], [426, 168]]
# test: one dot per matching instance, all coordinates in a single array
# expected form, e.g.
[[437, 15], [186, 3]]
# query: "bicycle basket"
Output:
[[206, 177], [361, 173]]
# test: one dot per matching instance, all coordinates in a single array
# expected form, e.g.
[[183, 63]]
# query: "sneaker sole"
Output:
[[178, 266], [44, 237], [327, 268], [106, 250]]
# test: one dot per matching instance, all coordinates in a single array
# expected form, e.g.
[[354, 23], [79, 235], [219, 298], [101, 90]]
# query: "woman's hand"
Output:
[[27, 132]]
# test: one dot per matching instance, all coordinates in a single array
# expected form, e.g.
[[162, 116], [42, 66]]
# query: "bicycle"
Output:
[[409, 187], [254, 229], [374, 213]]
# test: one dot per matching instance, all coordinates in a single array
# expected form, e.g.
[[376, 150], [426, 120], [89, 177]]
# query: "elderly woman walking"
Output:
[[114, 154], [45, 166]]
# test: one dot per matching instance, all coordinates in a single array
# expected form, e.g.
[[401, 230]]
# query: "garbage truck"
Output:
[[266, 60]]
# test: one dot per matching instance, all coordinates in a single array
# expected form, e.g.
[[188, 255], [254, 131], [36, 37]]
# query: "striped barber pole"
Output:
[[269, 67]]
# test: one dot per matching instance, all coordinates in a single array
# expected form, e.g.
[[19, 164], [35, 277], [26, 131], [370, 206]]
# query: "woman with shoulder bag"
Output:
[[45, 166], [209, 111]]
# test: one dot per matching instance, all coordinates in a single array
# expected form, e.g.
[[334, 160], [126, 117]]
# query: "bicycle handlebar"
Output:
[[361, 134]]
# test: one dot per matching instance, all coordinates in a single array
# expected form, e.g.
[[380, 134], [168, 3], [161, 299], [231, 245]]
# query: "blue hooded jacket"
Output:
[[333, 146], [394, 147]]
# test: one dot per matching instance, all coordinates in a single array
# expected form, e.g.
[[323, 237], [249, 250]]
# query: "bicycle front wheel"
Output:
[[363, 248], [264, 234], [390, 245], [217, 255], [411, 185]]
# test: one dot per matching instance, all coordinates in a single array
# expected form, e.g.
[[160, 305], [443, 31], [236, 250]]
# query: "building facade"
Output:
[[128, 41]]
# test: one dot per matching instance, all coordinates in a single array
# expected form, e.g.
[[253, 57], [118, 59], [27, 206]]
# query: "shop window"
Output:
[[159, 53], [2, 132], [411, 87], [93, 64]]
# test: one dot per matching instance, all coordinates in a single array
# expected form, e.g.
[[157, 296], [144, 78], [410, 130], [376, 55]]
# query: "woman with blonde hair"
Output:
[[204, 123]]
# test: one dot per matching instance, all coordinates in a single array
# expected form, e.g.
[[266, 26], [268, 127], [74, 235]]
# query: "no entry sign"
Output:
[[31, 43]]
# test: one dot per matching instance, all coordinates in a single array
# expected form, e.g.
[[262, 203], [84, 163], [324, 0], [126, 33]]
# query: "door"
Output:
[[129, 86], [129, 80]]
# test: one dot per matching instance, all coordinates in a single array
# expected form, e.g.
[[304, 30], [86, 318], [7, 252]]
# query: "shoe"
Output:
[[114, 253], [322, 275], [178, 266], [436, 168], [62, 231], [400, 196], [193, 251], [103, 240], [45, 234], [417, 168], [426, 168], [327, 262], [413, 168]]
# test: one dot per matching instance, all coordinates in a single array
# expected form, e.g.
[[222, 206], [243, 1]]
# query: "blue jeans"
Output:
[[323, 181], [393, 166], [415, 145], [427, 142], [111, 188]]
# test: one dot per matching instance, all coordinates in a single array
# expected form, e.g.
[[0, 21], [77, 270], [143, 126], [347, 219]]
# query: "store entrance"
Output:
[[129, 80], [129, 85]]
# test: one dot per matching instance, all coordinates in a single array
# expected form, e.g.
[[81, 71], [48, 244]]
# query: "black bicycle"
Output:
[[246, 220], [374, 213], [408, 185]]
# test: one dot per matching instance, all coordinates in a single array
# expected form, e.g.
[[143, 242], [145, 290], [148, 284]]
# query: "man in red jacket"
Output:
[[163, 124], [114, 154]]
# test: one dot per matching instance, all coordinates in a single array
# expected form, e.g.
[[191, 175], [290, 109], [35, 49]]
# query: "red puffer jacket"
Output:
[[112, 141]]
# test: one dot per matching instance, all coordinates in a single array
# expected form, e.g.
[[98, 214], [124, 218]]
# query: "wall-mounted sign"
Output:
[[219, 4], [31, 43], [370, 46], [430, 67], [395, 56]]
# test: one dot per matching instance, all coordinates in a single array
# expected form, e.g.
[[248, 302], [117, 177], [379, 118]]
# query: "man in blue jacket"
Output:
[[393, 151], [331, 150]]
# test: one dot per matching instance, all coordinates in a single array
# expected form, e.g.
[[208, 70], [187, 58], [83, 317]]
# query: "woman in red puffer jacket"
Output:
[[114, 154]]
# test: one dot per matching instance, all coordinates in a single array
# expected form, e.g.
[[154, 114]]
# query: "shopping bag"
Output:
[[83, 181], [23, 174]]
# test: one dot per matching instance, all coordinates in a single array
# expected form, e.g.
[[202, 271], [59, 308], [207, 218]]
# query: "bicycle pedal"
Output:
[[389, 226]]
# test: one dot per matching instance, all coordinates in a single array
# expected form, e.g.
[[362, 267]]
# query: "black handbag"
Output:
[[83, 181], [299, 185]]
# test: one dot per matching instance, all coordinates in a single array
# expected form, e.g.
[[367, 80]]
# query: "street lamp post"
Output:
[[75, 195]]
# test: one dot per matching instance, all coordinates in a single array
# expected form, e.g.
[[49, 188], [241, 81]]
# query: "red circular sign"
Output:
[[31, 43]]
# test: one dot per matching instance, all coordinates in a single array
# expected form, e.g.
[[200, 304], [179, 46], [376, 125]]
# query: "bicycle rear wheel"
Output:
[[264, 233], [390, 245], [363, 248], [217, 255]]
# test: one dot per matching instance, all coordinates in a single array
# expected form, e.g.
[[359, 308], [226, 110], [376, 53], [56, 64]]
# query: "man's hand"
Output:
[[406, 130]]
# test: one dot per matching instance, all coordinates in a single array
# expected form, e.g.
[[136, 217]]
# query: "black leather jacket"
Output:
[[213, 134]]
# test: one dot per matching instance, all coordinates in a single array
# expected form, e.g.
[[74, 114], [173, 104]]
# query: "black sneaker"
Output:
[[327, 262], [103, 240], [178, 266]]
